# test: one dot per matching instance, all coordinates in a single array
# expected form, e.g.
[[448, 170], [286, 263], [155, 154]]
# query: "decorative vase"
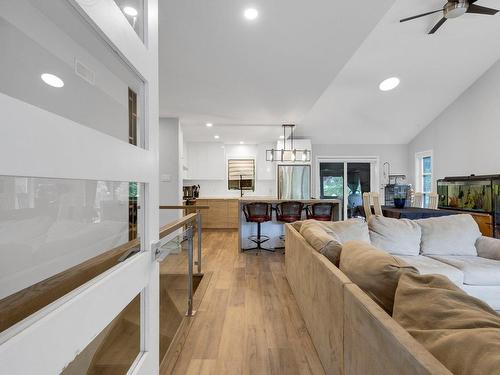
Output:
[[399, 202]]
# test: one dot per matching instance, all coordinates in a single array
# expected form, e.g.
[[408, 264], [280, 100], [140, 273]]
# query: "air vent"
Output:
[[84, 72]]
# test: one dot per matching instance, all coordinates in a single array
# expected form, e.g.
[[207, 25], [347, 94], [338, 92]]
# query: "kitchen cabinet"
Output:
[[222, 213], [206, 161]]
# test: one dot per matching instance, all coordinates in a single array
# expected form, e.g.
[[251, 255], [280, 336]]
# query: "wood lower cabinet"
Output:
[[485, 222], [222, 214]]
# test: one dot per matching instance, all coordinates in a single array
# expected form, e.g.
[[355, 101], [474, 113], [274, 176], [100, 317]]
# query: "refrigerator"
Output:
[[294, 181]]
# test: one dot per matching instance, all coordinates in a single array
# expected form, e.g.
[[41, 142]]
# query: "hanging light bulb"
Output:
[[271, 157], [304, 155], [294, 155]]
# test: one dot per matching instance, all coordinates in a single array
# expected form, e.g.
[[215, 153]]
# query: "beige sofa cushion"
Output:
[[427, 265], [376, 272], [449, 235], [396, 236], [348, 230], [476, 270], [325, 243], [461, 331]]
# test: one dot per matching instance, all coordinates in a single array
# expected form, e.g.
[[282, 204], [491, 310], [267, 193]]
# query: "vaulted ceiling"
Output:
[[318, 64]]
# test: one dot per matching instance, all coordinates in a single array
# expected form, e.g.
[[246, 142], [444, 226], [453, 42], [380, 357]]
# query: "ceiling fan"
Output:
[[454, 9]]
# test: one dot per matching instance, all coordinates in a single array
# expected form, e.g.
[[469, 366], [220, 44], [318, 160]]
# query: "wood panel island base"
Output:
[[274, 229]]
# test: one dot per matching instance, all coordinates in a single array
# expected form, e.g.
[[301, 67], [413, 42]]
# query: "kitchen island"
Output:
[[274, 228]]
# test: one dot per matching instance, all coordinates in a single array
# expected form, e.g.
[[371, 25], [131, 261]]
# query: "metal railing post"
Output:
[[190, 311], [198, 225]]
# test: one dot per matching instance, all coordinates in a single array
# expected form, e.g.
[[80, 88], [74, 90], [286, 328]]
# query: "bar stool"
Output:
[[320, 211], [258, 212], [288, 212]]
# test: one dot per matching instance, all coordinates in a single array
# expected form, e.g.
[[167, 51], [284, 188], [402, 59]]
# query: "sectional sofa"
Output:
[[350, 331]]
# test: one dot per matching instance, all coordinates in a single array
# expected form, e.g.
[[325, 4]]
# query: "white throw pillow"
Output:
[[449, 235], [348, 230], [396, 236]]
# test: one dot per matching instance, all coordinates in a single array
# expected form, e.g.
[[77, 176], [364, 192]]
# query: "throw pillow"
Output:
[[376, 272], [348, 230], [396, 236], [461, 331], [325, 243], [449, 235]]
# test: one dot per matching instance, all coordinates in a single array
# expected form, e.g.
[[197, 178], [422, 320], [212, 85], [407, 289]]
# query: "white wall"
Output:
[[170, 192], [265, 184], [465, 137], [396, 155]]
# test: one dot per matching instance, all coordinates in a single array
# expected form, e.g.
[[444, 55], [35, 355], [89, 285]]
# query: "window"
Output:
[[241, 174], [423, 161]]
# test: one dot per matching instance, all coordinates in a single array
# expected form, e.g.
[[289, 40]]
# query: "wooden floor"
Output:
[[248, 321]]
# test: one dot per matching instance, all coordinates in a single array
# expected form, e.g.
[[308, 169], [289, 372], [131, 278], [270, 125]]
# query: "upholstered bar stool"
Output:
[[320, 211], [258, 212], [288, 212]]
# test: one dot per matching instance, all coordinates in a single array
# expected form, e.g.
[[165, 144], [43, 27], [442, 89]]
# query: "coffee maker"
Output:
[[191, 192]]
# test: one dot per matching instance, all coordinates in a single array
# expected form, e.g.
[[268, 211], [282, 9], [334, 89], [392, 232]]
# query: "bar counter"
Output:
[[274, 228]]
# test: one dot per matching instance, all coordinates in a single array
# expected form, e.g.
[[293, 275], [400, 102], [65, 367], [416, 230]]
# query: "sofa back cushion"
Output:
[[461, 331], [396, 236], [376, 272], [449, 235], [348, 230], [325, 243]]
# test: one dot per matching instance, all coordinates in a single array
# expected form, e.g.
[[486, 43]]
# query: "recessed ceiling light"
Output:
[[389, 84], [52, 80], [241, 142], [216, 136], [282, 137], [209, 124], [251, 14], [130, 11]]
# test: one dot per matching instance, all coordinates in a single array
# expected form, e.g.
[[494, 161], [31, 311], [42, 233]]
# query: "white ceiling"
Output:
[[318, 64], [434, 70], [215, 66]]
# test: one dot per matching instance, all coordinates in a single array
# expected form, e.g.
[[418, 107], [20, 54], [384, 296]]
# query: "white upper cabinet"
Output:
[[205, 161]]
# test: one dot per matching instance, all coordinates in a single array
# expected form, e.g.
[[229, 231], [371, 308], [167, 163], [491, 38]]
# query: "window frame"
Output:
[[252, 159], [420, 174]]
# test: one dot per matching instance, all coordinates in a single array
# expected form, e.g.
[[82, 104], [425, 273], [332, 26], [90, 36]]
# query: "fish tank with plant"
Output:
[[465, 193]]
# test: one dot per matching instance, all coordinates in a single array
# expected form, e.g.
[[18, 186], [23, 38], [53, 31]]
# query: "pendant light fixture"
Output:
[[288, 152]]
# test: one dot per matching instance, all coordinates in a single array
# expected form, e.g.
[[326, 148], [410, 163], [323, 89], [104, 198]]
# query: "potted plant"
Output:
[[399, 200]]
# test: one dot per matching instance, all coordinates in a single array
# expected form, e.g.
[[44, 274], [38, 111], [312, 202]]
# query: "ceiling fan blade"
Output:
[[477, 9], [438, 25], [420, 15]]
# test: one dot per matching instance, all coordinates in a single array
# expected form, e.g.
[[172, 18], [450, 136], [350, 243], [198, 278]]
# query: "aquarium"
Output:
[[466, 194]]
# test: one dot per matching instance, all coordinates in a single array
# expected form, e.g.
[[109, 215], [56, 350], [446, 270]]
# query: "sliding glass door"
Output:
[[347, 180]]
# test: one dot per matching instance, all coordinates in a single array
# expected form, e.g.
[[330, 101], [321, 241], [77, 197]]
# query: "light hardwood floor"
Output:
[[248, 321]]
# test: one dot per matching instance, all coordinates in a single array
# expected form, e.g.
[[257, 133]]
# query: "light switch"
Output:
[[166, 178]]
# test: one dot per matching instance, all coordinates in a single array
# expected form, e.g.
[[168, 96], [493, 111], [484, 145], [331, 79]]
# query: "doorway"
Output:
[[346, 179]]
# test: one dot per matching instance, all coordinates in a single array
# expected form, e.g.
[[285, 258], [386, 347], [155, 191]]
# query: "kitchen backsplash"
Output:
[[216, 188]]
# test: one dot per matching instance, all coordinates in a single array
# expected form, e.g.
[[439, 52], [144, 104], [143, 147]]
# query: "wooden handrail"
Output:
[[177, 224], [185, 207]]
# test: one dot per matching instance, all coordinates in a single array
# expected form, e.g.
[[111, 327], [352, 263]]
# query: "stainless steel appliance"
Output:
[[294, 181]]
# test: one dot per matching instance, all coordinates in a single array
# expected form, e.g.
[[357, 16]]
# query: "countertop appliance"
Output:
[[190, 192], [294, 181]]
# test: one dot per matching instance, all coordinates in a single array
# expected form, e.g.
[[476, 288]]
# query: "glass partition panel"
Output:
[[114, 350], [53, 59], [57, 234], [358, 182]]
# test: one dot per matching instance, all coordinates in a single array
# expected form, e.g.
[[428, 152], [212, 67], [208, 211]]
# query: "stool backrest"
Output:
[[322, 209], [290, 208], [257, 209]]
